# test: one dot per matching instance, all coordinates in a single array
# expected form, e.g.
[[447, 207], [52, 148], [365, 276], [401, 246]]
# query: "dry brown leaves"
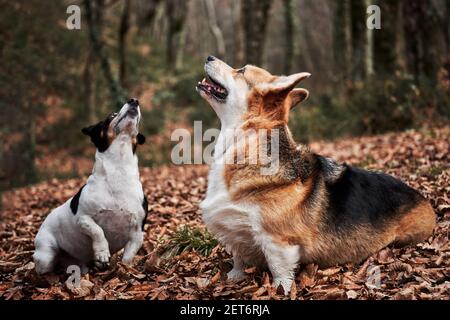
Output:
[[421, 158]]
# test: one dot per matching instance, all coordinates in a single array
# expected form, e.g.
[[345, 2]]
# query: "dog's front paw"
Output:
[[127, 260], [236, 275], [101, 259], [285, 283]]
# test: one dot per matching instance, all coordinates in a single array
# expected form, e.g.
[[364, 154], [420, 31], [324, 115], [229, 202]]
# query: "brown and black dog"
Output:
[[312, 209]]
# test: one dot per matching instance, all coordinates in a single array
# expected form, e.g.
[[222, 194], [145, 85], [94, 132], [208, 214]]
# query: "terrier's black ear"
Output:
[[140, 139], [98, 135], [93, 130], [88, 130]]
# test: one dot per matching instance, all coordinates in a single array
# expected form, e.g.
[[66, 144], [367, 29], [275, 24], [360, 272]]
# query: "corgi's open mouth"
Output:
[[213, 88]]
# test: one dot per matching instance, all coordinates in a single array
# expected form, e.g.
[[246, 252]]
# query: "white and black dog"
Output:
[[108, 213]]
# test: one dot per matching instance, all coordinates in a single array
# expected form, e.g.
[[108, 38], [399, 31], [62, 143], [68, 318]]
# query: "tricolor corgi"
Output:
[[312, 209]]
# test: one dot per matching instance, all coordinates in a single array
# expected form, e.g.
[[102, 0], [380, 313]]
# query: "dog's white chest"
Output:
[[116, 209], [234, 224]]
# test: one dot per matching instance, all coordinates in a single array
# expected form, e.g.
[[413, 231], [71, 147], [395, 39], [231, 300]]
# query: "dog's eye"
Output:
[[241, 70]]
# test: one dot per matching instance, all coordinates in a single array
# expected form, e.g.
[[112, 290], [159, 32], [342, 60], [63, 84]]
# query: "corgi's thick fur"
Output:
[[312, 210], [108, 213]]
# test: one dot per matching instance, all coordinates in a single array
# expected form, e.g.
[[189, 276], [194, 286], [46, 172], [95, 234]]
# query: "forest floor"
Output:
[[163, 271]]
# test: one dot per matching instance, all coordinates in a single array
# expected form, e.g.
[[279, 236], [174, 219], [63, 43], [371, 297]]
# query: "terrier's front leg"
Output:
[[133, 245], [99, 243]]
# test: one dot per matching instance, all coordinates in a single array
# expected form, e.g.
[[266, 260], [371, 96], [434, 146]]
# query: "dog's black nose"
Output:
[[210, 58], [133, 102]]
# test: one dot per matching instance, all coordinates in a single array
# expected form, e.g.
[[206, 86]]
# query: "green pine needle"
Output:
[[191, 239]]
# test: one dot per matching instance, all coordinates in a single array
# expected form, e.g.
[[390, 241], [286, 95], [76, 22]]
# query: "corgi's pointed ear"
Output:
[[284, 83], [289, 82], [298, 95], [140, 139]]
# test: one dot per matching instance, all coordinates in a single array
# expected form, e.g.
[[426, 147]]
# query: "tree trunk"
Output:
[[368, 58], [358, 39], [238, 37], [308, 60], [89, 79], [93, 17], [180, 50], [289, 45], [123, 31], [148, 17], [215, 30], [170, 56], [412, 44], [30, 145], [254, 19], [348, 45], [430, 35], [176, 16], [24, 164], [421, 39], [342, 46], [338, 40], [446, 21], [297, 46], [385, 39], [400, 37]]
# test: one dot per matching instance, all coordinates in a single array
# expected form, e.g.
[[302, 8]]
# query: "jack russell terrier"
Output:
[[312, 209], [108, 213]]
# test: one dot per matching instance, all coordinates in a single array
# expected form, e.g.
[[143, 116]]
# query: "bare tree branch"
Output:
[[123, 31], [93, 15], [216, 31]]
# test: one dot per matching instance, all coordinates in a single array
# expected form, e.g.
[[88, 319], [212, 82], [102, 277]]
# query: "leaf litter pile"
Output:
[[181, 260]]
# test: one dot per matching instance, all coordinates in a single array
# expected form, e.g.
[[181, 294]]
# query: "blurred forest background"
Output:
[[54, 81]]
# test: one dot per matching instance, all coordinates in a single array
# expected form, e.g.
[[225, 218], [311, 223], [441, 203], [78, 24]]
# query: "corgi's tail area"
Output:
[[416, 225]]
